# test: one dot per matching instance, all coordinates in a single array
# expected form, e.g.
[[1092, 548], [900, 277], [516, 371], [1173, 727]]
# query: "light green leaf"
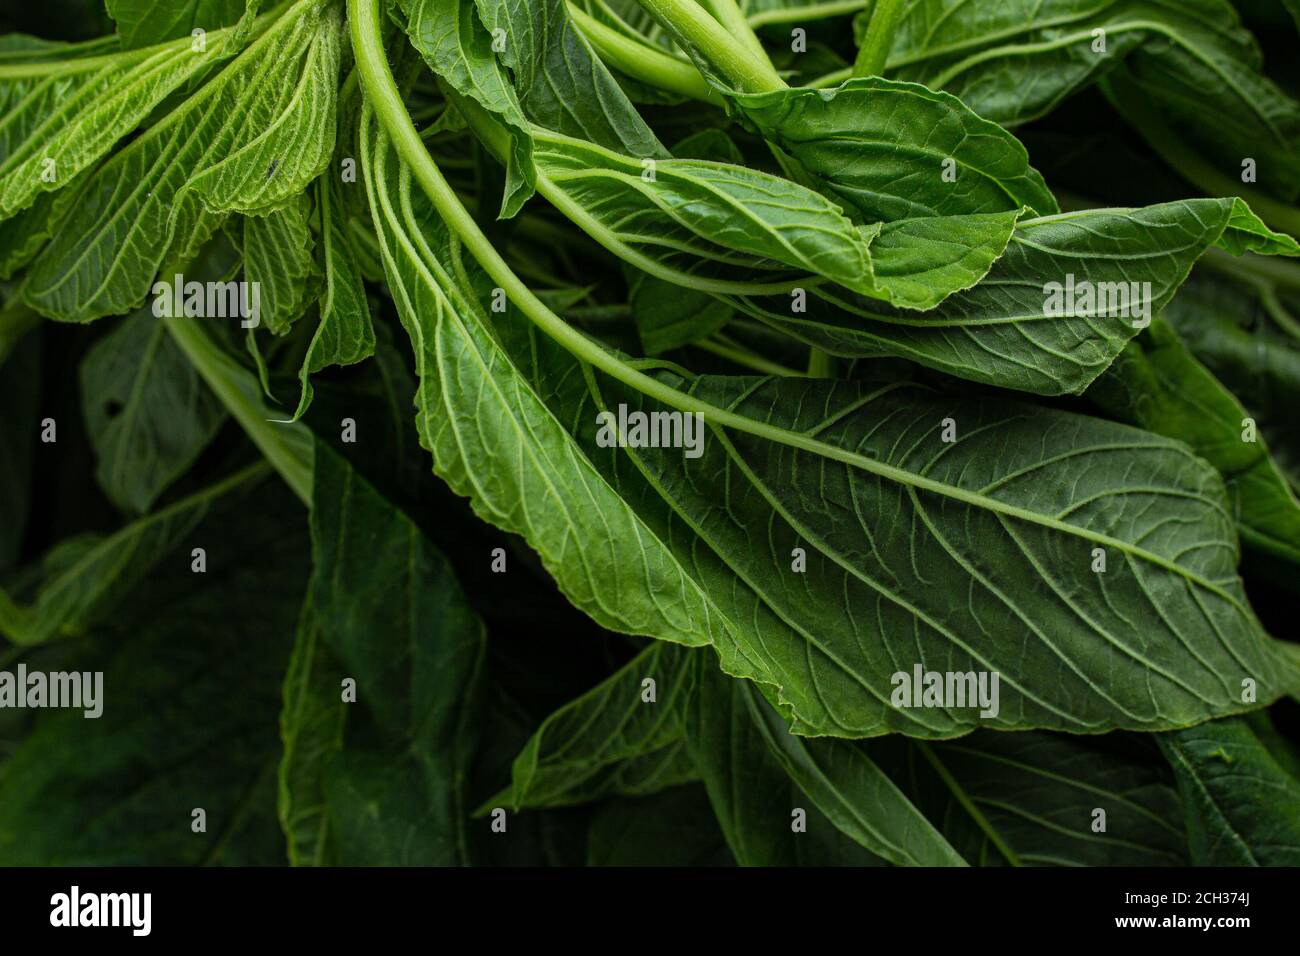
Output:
[[144, 22], [252, 137], [278, 263]]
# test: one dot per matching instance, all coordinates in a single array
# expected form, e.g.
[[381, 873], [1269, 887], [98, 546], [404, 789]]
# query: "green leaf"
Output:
[[278, 262], [144, 22], [668, 316], [562, 85], [64, 106], [754, 799], [458, 48], [883, 148], [252, 137], [516, 463], [611, 740], [854, 793], [87, 578], [189, 694], [1015, 329], [394, 619], [148, 412], [1159, 385], [1243, 808], [1033, 799]]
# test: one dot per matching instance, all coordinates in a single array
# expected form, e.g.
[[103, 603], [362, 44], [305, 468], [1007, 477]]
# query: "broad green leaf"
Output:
[[891, 150], [1015, 329], [1041, 799], [1243, 808], [278, 257], [252, 137], [190, 690], [1159, 385], [144, 22], [611, 740], [393, 617], [88, 578], [148, 413], [965, 556], [62, 109], [676, 218]]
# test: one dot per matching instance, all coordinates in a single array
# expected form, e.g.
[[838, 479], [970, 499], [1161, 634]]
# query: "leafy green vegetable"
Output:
[[650, 432]]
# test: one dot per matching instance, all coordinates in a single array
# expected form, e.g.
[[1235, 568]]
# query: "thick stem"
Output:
[[732, 58], [643, 62], [727, 12], [874, 52], [221, 374]]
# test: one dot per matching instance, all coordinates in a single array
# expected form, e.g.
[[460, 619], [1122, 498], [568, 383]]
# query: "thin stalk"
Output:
[[734, 352], [796, 13], [215, 368], [642, 61], [1280, 272], [874, 52], [15, 322], [734, 59]]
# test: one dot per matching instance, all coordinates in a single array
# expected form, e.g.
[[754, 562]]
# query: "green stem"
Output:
[[821, 364], [734, 59], [733, 352], [796, 13], [1279, 272], [727, 12], [15, 322], [967, 804], [874, 52], [222, 375], [642, 61]]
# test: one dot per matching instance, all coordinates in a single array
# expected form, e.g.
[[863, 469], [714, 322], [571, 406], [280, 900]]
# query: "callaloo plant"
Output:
[[649, 431]]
